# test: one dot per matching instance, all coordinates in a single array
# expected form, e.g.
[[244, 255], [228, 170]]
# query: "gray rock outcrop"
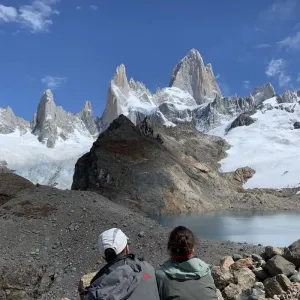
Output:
[[211, 115], [263, 93], [88, 118], [9, 122], [192, 76], [243, 119], [4, 168], [288, 97]]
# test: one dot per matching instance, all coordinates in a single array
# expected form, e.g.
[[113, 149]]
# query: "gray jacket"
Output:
[[188, 280], [124, 278]]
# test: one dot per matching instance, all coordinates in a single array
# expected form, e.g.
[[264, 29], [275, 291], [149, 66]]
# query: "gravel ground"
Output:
[[59, 229]]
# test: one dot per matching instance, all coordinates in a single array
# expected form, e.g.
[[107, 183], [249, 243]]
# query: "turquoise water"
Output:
[[253, 227]]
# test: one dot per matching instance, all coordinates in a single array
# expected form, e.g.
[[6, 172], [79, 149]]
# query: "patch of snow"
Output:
[[270, 146], [48, 166], [298, 193]]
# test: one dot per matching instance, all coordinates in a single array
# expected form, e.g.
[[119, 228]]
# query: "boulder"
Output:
[[243, 174], [292, 253], [272, 287], [245, 278], [255, 293], [222, 276], [260, 274], [236, 257], [279, 265], [277, 285], [256, 257], [232, 291], [227, 261], [297, 125], [284, 282], [242, 263], [272, 251]]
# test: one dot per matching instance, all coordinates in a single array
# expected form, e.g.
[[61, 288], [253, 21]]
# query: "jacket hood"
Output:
[[117, 280], [193, 268]]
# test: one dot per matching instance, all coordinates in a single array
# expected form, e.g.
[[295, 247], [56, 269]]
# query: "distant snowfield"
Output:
[[34, 161], [271, 146]]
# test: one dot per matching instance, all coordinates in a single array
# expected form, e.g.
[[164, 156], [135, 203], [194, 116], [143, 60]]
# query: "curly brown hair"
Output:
[[181, 242]]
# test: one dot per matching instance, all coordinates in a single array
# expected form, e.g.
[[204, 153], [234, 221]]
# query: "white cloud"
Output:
[[94, 7], [36, 16], [218, 76], [7, 13], [275, 67], [284, 80], [262, 46], [78, 7], [291, 42], [53, 82], [280, 11], [298, 78], [246, 84]]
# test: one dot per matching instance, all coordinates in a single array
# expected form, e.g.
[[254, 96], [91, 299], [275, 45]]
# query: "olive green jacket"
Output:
[[188, 280]]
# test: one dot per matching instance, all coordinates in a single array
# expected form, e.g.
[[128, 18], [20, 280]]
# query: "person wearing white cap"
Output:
[[124, 276]]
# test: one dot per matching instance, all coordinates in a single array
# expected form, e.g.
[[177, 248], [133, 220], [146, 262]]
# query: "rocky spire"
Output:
[[192, 76], [45, 125], [88, 118], [116, 97], [263, 93], [120, 79], [52, 123], [9, 122]]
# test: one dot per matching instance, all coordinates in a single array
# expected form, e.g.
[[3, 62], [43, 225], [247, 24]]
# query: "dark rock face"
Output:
[[292, 253], [297, 125], [243, 119], [154, 172]]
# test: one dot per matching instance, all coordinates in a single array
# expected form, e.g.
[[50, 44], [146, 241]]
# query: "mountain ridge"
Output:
[[57, 138]]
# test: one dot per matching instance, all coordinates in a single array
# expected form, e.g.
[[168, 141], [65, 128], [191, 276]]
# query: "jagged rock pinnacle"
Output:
[[192, 76]]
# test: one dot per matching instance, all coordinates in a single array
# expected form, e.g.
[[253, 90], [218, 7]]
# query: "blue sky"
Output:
[[74, 46]]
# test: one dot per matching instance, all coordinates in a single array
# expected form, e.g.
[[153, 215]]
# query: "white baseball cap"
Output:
[[113, 238]]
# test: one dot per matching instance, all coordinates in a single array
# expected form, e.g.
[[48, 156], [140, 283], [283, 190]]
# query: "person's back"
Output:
[[184, 276], [124, 276]]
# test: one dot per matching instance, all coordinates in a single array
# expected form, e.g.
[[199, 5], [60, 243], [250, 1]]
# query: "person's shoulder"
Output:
[[159, 271]]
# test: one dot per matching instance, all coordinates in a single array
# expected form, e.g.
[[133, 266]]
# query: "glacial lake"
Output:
[[253, 227]]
